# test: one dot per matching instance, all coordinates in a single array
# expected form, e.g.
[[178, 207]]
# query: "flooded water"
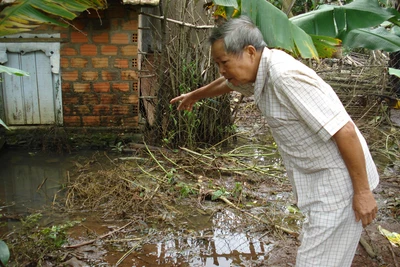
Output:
[[215, 242], [32, 181]]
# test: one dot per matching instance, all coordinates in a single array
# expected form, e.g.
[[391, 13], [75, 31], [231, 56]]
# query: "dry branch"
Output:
[[393, 255], [127, 253], [196, 153], [178, 22], [286, 230], [367, 247], [100, 237]]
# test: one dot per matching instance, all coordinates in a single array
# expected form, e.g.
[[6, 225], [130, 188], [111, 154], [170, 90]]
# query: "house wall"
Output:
[[99, 73], [99, 69]]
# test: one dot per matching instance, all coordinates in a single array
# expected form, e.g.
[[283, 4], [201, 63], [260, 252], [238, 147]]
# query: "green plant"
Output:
[[187, 122], [219, 193], [4, 125], [171, 176], [185, 190], [238, 190], [13, 71], [32, 243], [30, 222], [192, 122], [394, 72], [118, 147], [55, 236], [22, 16], [4, 253], [318, 33]]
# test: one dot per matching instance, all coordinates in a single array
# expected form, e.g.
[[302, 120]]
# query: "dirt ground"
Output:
[[148, 206], [386, 254], [374, 251]]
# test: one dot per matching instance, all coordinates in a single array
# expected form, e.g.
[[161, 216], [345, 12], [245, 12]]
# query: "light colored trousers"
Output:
[[329, 239]]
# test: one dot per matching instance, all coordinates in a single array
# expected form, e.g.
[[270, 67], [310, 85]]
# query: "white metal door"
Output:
[[29, 100]]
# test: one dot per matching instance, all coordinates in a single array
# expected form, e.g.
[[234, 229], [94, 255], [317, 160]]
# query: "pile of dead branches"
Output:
[[361, 81], [153, 181]]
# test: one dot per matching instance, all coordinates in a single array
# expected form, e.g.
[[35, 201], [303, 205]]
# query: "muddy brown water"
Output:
[[30, 181]]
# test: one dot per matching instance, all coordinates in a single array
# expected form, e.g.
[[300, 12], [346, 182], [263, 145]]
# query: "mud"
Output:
[[155, 207]]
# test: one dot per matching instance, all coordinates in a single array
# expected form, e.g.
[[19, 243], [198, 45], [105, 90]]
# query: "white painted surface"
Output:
[[141, 2], [29, 100], [33, 100]]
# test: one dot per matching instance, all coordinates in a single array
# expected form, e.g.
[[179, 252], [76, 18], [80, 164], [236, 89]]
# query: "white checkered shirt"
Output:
[[303, 113]]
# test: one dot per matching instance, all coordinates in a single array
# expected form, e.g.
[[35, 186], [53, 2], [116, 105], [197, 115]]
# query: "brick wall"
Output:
[[99, 68]]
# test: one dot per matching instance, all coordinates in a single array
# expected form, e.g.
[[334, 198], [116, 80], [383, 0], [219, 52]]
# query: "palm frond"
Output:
[[24, 15]]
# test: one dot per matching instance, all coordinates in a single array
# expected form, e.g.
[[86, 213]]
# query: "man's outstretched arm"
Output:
[[215, 88]]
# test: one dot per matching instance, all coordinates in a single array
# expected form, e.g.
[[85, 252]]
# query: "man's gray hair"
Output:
[[238, 33]]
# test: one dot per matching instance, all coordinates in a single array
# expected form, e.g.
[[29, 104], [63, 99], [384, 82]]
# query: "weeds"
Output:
[[33, 244], [186, 190]]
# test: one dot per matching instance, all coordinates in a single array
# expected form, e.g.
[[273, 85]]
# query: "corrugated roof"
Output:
[[141, 2]]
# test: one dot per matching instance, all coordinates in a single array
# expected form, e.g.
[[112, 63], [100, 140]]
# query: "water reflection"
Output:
[[220, 245], [29, 180]]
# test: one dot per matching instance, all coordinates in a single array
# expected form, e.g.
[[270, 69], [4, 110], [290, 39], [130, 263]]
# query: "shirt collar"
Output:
[[261, 78]]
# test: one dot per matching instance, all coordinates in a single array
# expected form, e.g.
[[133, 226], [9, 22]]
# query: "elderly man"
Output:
[[326, 158]]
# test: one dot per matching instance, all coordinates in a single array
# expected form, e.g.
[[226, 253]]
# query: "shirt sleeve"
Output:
[[314, 101]]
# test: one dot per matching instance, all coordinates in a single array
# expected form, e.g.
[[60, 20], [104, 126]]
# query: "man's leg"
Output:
[[330, 238]]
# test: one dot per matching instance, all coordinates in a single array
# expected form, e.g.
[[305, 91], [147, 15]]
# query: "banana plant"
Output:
[[395, 72], [13, 71], [25, 15], [361, 23], [275, 26], [320, 32]]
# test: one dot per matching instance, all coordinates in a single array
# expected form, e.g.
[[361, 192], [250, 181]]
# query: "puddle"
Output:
[[33, 180], [221, 241], [30, 181]]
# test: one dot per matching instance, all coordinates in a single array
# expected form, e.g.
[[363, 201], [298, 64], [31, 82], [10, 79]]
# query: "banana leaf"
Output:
[[276, 28], [24, 15], [226, 3], [14, 71], [325, 45], [395, 30], [4, 125], [373, 39], [338, 21], [395, 72], [4, 251]]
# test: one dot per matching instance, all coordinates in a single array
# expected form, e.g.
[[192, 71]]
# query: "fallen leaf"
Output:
[[393, 237]]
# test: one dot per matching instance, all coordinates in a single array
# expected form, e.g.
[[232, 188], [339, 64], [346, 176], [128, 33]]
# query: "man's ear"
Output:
[[251, 50]]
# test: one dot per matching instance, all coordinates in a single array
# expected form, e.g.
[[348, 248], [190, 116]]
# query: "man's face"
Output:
[[237, 70]]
